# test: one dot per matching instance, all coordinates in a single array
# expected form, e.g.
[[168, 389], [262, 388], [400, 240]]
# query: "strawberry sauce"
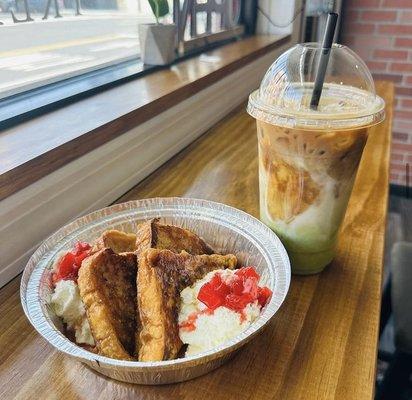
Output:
[[234, 293], [70, 263]]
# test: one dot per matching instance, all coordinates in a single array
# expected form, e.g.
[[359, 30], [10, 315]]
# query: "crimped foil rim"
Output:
[[269, 244]]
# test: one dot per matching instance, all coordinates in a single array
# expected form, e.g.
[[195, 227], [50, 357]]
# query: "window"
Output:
[[45, 41], [52, 50]]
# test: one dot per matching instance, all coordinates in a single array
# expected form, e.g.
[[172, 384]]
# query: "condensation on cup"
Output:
[[308, 158]]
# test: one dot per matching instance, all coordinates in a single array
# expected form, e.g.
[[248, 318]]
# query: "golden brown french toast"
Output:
[[118, 241], [162, 274], [107, 284], [152, 234]]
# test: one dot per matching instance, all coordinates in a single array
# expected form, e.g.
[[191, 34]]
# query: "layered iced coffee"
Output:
[[308, 161], [306, 178]]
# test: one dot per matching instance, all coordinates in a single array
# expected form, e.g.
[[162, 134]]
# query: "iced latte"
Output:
[[308, 161], [306, 178]]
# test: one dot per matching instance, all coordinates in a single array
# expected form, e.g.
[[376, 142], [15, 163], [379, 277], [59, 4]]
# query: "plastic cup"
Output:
[[308, 159]]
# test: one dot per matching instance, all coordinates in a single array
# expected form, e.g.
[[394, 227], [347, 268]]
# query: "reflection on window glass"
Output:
[[43, 41]]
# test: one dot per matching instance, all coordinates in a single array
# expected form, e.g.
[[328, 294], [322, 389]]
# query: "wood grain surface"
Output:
[[39, 146], [322, 344]]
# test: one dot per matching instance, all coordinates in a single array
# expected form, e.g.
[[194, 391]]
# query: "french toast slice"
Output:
[[118, 241], [107, 284], [161, 275], [152, 234]]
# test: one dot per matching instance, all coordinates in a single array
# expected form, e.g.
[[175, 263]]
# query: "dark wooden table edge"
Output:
[[386, 198], [36, 168]]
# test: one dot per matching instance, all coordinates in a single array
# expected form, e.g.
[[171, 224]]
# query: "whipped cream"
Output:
[[215, 328], [68, 305]]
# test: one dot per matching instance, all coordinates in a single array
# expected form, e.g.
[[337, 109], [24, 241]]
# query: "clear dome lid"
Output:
[[348, 97]]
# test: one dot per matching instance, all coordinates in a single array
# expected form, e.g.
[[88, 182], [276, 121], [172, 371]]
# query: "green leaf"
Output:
[[160, 8]]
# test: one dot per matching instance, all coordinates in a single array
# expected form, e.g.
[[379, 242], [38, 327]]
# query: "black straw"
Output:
[[324, 59]]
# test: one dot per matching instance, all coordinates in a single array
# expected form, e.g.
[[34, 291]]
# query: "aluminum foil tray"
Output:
[[226, 229]]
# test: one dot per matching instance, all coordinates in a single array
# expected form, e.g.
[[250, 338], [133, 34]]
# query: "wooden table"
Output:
[[322, 344]]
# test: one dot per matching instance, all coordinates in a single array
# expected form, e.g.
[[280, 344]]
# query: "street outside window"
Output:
[[47, 41]]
